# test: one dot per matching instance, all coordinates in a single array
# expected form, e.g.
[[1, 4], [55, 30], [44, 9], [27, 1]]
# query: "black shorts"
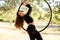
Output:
[[31, 28], [33, 33]]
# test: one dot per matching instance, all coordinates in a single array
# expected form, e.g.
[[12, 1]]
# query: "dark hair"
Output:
[[19, 21]]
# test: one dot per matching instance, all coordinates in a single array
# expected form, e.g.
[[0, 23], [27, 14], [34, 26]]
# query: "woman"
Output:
[[33, 33]]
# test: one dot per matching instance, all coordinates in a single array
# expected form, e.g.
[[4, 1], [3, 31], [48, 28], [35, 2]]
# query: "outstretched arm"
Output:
[[29, 10], [25, 3]]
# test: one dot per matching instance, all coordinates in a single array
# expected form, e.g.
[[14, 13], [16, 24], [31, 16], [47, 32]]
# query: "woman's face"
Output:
[[21, 13]]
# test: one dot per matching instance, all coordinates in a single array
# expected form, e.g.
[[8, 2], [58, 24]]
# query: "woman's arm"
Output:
[[25, 3], [30, 9]]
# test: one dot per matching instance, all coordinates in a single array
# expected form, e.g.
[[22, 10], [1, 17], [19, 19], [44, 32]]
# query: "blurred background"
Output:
[[40, 14]]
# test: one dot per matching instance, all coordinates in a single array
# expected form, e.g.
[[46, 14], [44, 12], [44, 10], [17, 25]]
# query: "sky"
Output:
[[2, 3], [52, 3]]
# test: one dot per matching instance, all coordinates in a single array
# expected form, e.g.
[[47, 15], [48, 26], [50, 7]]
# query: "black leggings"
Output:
[[33, 33]]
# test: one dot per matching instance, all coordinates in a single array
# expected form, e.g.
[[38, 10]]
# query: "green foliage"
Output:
[[8, 11], [56, 15]]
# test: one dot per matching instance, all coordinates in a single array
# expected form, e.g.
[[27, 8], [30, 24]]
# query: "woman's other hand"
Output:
[[25, 3]]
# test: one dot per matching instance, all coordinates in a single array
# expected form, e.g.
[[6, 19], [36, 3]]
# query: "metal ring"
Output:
[[49, 19]]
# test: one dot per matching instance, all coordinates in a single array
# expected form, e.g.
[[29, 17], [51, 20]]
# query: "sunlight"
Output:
[[2, 3]]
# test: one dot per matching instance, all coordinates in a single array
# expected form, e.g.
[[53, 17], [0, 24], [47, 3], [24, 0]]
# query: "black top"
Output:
[[27, 17]]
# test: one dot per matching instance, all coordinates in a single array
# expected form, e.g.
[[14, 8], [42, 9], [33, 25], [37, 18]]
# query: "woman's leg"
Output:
[[37, 35], [30, 30], [33, 33]]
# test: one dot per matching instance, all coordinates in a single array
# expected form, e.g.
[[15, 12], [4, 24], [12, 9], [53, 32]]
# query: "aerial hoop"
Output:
[[49, 19]]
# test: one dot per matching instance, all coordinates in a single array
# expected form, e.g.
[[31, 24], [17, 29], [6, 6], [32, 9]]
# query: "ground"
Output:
[[10, 33]]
